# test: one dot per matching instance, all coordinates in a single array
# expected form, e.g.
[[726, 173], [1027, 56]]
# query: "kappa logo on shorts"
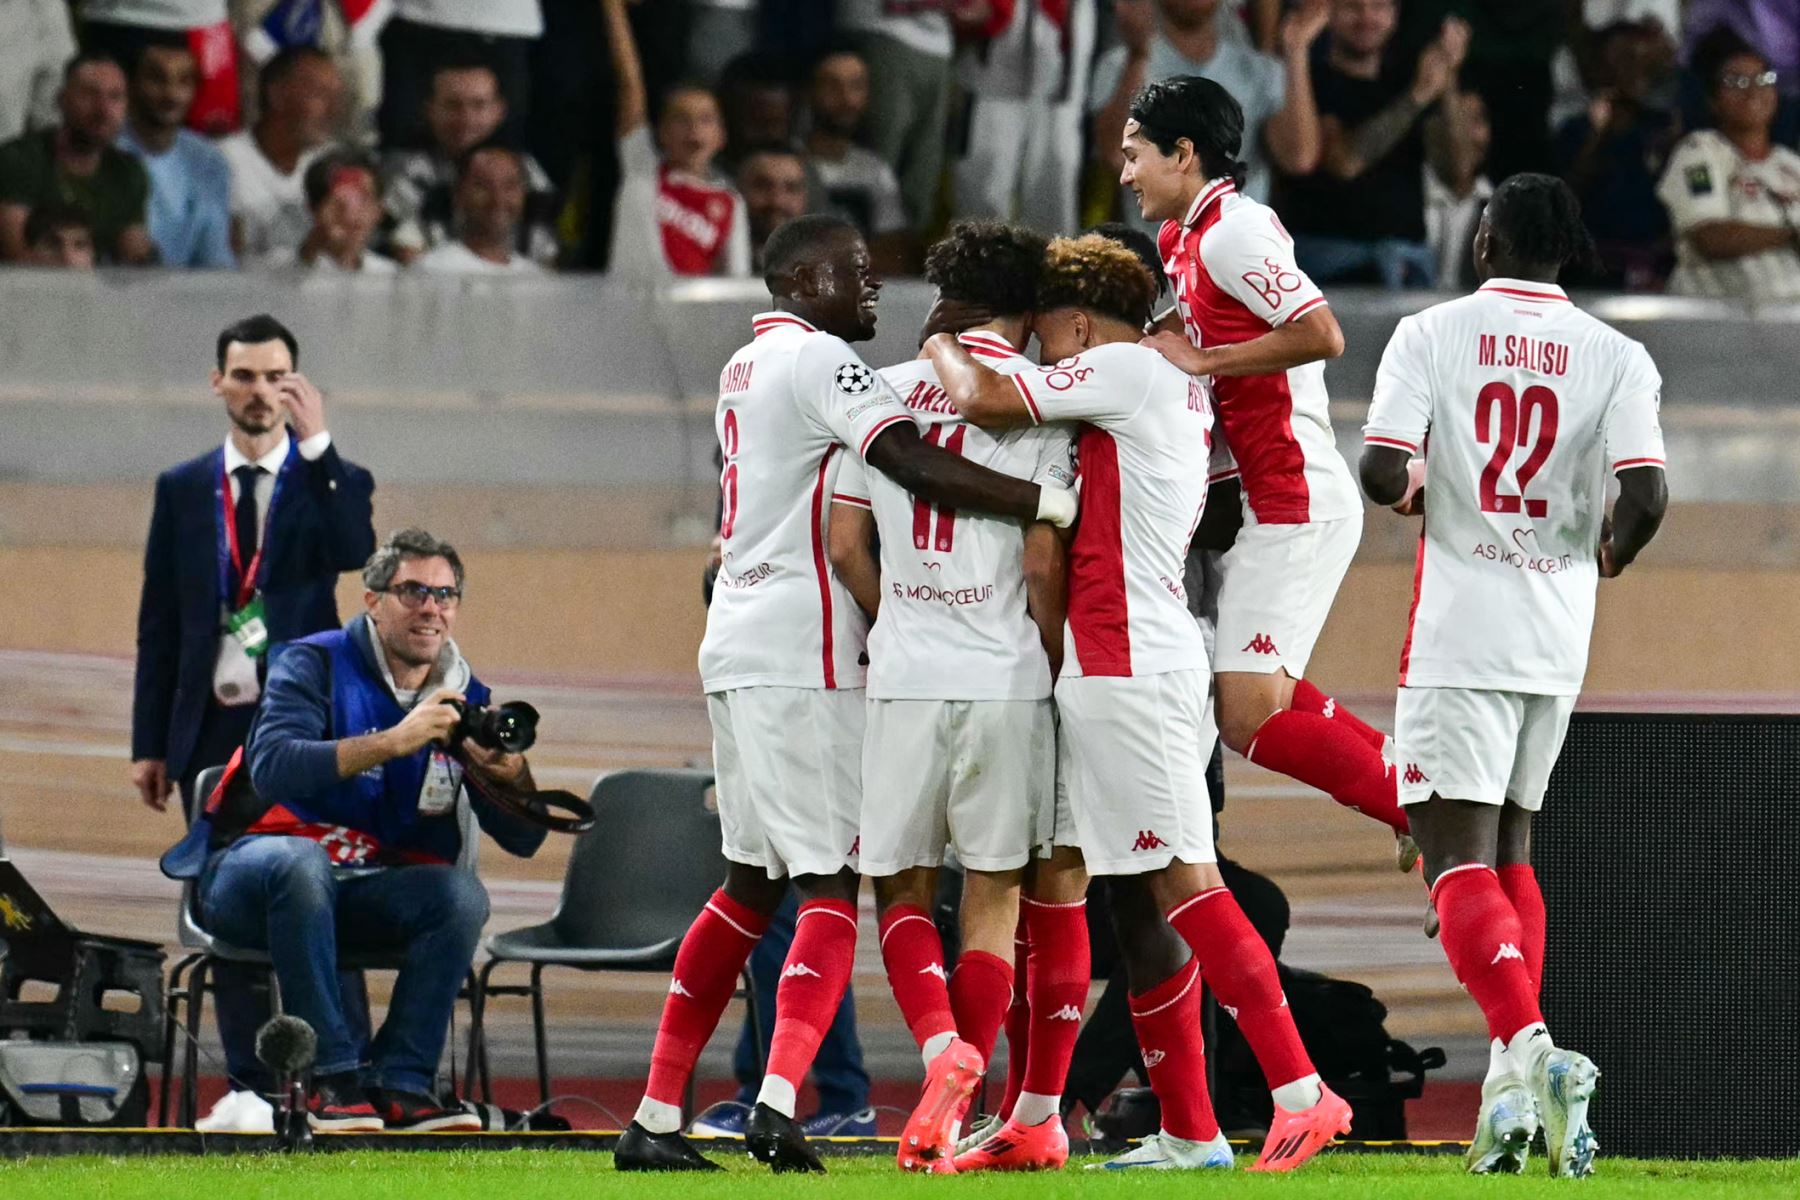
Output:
[[1262, 643], [1414, 775], [1147, 840], [796, 970], [855, 847]]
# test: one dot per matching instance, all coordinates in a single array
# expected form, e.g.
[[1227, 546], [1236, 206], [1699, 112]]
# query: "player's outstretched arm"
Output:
[[1384, 473], [1643, 498], [985, 398], [1047, 589], [1314, 336], [940, 477], [851, 548]]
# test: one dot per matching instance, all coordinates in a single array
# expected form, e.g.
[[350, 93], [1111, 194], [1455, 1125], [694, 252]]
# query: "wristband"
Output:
[[1057, 506]]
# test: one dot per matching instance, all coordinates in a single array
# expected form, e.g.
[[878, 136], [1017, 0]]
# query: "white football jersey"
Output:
[[953, 622], [1521, 404], [1232, 267], [789, 404], [1709, 179], [1141, 457]]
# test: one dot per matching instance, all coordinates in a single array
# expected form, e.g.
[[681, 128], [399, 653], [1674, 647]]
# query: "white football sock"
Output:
[[778, 1094], [1528, 1047], [658, 1117], [1500, 1066], [1034, 1108], [936, 1044], [1301, 1093]]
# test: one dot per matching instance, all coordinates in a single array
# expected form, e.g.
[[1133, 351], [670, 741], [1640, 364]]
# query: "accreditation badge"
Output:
[[443, 778], [246, 625]]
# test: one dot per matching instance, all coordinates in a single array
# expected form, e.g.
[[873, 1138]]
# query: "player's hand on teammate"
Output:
[[1178, 350], [150, 776], [952, 316], [1412, 503], [304, 402]]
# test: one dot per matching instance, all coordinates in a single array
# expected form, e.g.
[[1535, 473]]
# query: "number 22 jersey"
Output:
[[1522, 405]]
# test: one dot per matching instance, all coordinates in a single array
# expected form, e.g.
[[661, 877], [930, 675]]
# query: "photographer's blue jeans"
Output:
[[1399, 263], [281, 894], [837, 1070]]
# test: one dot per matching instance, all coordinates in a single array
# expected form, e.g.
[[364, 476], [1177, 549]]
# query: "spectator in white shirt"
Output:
[[38, 41], [343, 193], [301, 101], [1733, 193], [854, 181], [424, 33], [489, 205]]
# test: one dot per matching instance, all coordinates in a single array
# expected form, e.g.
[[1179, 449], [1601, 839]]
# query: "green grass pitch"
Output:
[[576, 1175]]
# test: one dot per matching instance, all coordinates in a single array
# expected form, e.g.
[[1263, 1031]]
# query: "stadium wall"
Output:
[[575, 417]]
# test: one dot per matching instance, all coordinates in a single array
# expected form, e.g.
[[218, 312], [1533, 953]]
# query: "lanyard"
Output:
[[231, 559]]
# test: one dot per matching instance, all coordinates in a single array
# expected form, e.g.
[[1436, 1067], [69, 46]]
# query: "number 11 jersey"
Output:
[[1522, 405]]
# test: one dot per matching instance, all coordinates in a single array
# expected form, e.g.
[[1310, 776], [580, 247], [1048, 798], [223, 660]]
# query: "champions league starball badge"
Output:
[[853, 379]]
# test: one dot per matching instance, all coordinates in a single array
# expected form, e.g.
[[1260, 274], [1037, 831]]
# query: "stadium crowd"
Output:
[[669, 138]]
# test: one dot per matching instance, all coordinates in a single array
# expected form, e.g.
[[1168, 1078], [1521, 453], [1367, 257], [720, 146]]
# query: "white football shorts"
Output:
[[788, 765], [1137, 754], [974, 774], [1280, 581], [1486, 746]]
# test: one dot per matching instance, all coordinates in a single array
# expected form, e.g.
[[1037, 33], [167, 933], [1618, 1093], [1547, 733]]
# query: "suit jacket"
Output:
[[319, 527]]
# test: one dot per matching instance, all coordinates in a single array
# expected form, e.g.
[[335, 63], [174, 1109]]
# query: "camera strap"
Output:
[[553, 809]]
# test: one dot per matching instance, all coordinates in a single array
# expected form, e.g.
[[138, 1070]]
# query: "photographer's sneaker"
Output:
[[1504, 1128], [859, 1124], [1164, 1152], [724, 1119], [239, 1112], [415, 1112], [339, 1105]]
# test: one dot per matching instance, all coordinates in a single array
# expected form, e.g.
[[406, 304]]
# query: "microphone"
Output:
[[286, 1045]]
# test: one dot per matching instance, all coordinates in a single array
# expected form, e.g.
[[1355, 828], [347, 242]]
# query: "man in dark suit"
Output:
[[246, 544]]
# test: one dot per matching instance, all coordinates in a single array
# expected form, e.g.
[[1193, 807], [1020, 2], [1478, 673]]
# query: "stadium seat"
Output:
[[632, 888], [190, 978]]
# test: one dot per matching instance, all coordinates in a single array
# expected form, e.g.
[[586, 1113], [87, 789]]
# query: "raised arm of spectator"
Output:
[[1450, 146], [629, 98], [1134, 21], [637, 251], [1348, 152], [1292, 133]]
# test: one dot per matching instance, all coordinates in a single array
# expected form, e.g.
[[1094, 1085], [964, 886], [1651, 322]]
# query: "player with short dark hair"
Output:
[[1529, 405], [1133, 699], [1262, 331], [961, 740], [783, 669]]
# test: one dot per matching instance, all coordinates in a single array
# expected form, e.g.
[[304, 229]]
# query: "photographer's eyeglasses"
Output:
[[1739, 83], [412, 595]]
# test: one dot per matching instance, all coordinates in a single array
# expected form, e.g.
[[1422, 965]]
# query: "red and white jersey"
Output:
[[953, 623], [1521, 404], [789, 404], [1232, 267], [1141, 457]]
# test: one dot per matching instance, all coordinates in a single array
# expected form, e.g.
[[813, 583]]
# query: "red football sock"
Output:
[[1481, 936], [981, 990], [1018, 1019], [1329, 755], [812, 985], [1309, 699], [1167, 1020], [914, 955], [1520, 884], [1241, 972], [1057, 981], [707, 967]]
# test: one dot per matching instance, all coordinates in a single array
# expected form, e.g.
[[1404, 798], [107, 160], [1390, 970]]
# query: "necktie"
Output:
[[245, 519]]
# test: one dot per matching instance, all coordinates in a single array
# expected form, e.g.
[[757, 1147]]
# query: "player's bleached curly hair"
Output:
[[1098, 274]]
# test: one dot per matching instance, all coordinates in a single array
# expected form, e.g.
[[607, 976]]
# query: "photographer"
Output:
[[359, 756]]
